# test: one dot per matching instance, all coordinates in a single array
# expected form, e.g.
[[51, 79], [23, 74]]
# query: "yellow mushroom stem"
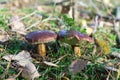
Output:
[[76, 50], [42, 50]]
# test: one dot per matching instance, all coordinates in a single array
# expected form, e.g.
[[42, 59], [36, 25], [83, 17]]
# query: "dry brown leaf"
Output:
[[23, 55], [8, 57], [16, 25], [30, 72], [23, 59], [4, 38], [116, 54], [50, 64], [77, 66]]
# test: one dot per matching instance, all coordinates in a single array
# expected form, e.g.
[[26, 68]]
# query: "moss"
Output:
[[103, 46]]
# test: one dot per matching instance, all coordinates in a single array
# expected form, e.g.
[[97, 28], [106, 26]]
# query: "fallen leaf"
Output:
[[23, 60], [116, 54], [4, 38], [77, 66], [21, 56], [30, 72], [50, 64], [8, 57], [16, 25]]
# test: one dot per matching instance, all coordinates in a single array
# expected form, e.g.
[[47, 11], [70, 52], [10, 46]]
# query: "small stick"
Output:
[[24, 17], [18, 73], [108, 76], [73, 9], [33, 25]]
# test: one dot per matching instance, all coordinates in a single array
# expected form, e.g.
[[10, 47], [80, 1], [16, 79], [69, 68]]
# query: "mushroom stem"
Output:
[[42, 50], [76, 50]]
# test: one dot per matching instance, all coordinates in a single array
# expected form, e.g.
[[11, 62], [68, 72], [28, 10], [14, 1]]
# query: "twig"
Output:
[[108, 76], [24, 17], [94, 50], [116, 30], [33, 25], [95, 7], [54, 18], [49, 18], [59, 59], [6, 70], [111, 68], [73, 9], [52, 3], [18, 73]]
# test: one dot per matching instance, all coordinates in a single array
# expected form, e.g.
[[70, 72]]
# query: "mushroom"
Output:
[[40, 38], [73, 38]]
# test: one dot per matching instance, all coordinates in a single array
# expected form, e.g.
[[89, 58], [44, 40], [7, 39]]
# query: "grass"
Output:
[[62, 55], [52, 73]]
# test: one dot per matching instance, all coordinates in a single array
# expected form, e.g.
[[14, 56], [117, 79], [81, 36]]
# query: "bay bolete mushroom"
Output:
[[73, 38], [40, 38]]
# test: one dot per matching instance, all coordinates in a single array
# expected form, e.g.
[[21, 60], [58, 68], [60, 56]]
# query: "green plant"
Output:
[[70, 24]]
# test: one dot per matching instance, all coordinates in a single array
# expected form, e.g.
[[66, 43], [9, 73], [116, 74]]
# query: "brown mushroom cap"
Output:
[[42, 36], [73, 37]]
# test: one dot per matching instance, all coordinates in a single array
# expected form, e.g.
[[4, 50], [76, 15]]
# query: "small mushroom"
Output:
[[73, 38], [40, 38]]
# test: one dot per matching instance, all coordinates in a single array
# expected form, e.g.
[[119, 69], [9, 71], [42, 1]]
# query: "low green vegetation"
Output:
[[98, 55]]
